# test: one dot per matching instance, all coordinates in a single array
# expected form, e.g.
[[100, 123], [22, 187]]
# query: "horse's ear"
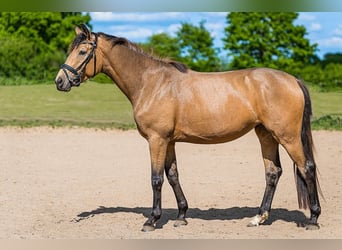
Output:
[[85, 30], [82, 28], [78, 30]]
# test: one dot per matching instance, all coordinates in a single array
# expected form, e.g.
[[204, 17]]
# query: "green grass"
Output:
[[327, 110], [91, 105], [326, 103], [104, 106]]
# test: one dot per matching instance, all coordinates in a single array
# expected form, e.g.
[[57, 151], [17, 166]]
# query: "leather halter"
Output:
[[79, 71]]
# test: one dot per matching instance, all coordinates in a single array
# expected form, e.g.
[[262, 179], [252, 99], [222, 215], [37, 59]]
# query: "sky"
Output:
[[323, 28]]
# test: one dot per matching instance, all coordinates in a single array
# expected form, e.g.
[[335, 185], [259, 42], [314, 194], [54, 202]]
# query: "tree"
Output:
[[332, 58], [34, 44], [197, 49], [52, 28], [270, 39], [192, 45], [163, 45]]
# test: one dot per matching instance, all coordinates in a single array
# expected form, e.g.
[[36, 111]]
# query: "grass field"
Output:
[[91, 105], [104, 106]]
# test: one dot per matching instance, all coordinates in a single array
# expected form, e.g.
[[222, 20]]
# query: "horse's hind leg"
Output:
[[306, 181], [172, 176], [270, 153]]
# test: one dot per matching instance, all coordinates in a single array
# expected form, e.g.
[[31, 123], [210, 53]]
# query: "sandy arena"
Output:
[[95, 184]]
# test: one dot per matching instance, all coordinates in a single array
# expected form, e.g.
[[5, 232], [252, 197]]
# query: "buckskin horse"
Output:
[[172, 103]]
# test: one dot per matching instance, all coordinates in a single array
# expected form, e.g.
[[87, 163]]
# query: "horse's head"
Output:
[[81, 62]]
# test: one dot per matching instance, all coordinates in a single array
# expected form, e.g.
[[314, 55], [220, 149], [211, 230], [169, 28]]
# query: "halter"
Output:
[[79, 71]]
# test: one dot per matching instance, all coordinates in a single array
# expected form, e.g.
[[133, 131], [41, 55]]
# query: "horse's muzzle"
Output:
[[62, 84]]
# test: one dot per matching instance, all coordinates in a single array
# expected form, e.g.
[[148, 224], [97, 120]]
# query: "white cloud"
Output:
[[315, 27], [131, 32], [333, 42], [217, 14], [215, 29], [338, 30], [306, 17], [101, 16], [137, 27], [136, 17], [172, 29]]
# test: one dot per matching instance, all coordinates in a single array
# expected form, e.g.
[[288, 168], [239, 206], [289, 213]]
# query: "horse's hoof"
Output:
[[148, 228], [312, 226], [180, 222], [255, 221], [258, 219], [252, 224]]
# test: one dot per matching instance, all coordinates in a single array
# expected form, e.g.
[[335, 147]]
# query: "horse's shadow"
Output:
[[233, 213]]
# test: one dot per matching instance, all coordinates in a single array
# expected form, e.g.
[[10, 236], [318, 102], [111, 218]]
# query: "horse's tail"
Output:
[[308, 148]]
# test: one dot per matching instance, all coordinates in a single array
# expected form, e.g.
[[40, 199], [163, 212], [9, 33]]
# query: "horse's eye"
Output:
[[82, 52]]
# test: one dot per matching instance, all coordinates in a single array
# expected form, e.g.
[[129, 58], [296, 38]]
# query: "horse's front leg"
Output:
[[172, 176], [158, 149]]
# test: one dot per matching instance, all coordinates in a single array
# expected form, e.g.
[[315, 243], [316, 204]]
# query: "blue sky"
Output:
[[324, 28]]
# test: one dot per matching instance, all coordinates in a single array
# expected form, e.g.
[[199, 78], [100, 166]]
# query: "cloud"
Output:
[[133, 17], [306, 17], [315, 27], [172, 29], [137, 33], [215, 29], [338, 30], [139, 26], [102, 16], [131, 32], [333, 42], [140, 34]]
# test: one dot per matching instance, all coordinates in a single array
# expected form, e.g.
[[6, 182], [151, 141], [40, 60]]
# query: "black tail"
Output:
[[307, 142]]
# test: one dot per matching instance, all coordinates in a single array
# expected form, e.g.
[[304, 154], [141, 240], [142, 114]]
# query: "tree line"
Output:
[[34, 44]]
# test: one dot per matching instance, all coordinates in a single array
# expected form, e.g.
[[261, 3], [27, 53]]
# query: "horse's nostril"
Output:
[[59, 81]]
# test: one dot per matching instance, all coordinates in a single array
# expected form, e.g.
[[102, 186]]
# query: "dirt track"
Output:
[[82, 183]]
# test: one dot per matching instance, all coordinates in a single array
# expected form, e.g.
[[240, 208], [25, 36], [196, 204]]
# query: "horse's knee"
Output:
[[172, 174], [157, 181], [308, 173], [310, 168], [272, 175], [271, 179]]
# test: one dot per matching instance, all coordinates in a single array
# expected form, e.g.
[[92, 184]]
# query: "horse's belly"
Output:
[[212, 139], [211, 131]]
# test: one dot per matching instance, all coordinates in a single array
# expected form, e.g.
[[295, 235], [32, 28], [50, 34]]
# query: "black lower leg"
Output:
[[157, 182], [172, 176], [311, 181], [272, 177]]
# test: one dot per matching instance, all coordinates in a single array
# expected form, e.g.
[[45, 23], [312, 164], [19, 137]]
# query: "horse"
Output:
[[172, 103]]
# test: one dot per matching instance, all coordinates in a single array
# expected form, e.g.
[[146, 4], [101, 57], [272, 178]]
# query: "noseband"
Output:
[[79, 71]]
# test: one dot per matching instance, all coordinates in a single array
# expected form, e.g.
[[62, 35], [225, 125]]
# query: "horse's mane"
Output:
[[125, 42], [132, 46]]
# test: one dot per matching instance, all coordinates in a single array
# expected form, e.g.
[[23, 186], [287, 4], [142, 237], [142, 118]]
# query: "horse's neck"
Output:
[[126, 68]]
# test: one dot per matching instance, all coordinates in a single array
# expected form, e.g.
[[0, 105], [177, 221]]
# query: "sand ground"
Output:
[[95, 184]]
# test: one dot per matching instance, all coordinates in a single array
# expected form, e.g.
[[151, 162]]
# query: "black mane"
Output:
[[125, 42]]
